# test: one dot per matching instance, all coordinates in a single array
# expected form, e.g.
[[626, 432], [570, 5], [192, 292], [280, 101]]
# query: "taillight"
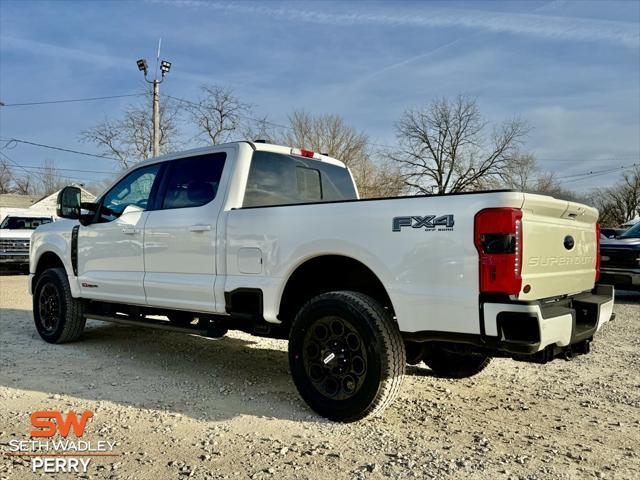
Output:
[[498, 239], [597, 252]]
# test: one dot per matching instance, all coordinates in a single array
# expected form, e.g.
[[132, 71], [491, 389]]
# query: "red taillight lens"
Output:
[[498, 239], [597, 252], [306, 153]]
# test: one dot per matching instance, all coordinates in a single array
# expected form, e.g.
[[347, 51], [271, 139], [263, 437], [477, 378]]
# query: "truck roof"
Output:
[[255, 145]]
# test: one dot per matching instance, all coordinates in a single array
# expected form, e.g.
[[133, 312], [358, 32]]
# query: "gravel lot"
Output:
[[181, 406]]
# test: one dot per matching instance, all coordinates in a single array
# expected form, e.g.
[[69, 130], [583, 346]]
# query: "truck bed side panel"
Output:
[[430, 274]]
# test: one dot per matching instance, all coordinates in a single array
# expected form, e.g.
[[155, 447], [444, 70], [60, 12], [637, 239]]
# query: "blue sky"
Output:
[[572, 69]]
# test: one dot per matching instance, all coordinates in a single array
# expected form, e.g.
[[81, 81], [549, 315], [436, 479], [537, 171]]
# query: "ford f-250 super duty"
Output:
[[15, 234], [274, 241]]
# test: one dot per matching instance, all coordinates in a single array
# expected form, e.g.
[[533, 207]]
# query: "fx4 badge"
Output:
[[429, 222]]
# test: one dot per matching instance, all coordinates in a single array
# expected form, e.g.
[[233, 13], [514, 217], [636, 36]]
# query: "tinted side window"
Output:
[[277, 179], [134, 189], [193, 181]]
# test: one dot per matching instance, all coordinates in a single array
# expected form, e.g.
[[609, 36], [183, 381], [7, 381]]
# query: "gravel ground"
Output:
[[181, 406]]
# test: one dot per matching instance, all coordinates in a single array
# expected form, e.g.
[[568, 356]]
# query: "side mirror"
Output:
[[69, 203]]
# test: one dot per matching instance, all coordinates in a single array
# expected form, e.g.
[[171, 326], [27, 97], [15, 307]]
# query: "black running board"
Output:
[[150, 323]]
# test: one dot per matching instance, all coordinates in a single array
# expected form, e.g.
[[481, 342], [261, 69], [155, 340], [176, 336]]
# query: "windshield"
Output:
[[633, 232], [24, 223]]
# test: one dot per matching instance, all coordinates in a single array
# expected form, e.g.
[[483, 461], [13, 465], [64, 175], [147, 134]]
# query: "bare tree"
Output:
[[620, 203], [329, 134], [521, 172], [5, 177], [44, 181], [129, 139], [50, 180], [24, 185], [219, 115], [445, 146], [379, 178]]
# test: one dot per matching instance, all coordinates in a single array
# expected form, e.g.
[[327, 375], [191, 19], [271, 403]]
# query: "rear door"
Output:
[[181, 232], [559, 247]]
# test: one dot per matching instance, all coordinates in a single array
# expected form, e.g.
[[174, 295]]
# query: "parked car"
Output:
[[612, 232], [274, 241], [15, 235], [620, 259], [630, 223]]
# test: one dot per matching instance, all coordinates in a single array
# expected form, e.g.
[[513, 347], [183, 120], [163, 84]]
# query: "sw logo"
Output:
[[47, 427], [429, 222]]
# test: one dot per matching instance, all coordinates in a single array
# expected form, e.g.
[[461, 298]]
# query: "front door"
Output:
[[180, 235], [110, 251]]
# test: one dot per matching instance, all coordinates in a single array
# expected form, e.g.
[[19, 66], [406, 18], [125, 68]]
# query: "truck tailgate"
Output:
[[559, 248]]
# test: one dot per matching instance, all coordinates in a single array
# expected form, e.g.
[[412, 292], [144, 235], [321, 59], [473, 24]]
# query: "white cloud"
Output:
[[626, 34], [49, 51]]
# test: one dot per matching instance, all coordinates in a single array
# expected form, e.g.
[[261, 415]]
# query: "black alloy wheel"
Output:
[[58, 317], [50, 307], [335, 359]]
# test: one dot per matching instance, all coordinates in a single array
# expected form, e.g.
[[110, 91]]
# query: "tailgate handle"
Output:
[[200, 228]]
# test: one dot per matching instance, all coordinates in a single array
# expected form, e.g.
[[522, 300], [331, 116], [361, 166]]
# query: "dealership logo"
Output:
[[57, 444], [428, 223], [48, 423]]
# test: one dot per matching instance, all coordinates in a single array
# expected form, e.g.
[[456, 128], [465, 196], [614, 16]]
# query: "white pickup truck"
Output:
[[16, 229], [274, 241]]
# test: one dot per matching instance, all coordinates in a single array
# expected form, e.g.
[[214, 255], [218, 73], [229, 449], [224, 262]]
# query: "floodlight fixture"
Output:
[[165, 67], [142, 65]]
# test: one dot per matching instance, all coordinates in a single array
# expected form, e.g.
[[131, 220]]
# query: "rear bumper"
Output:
[[621, 277], [536, 331], [529, 328]]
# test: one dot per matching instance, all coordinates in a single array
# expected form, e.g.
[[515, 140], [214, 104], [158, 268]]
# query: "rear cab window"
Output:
[[279, 179]]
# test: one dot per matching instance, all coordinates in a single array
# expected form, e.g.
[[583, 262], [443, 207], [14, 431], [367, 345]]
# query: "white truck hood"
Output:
[[16, 233]]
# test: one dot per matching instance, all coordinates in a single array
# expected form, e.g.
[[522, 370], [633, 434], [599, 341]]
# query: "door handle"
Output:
[[130, 231], [200, 228]]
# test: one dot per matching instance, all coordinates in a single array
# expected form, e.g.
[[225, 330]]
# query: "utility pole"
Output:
[[155, 117]]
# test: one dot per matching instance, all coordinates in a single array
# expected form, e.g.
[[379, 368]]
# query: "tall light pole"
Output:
[[164, 69]]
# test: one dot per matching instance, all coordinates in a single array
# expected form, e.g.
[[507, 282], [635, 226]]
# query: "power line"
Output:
[[615, 158], [592, 172], [14, 162], [68, 150], [71, 100], [600, 173], [39, 174], [35, 167], [289, 127], [262, 120]]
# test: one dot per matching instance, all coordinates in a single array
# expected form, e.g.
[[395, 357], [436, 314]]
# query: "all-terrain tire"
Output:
[[59, 318], [450, 364], [346, 355]]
